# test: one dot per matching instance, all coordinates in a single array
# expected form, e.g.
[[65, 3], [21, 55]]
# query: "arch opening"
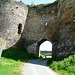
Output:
[[44, 49], [19, 28]]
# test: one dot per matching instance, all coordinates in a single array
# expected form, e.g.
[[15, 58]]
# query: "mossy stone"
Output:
[[2, 45], [2, 41]]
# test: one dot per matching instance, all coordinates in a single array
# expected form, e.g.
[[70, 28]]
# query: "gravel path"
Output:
[[37, 67]]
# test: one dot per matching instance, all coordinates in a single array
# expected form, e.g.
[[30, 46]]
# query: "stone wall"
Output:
[[66, 17], [38, 24], [59, 29], [12, 14]]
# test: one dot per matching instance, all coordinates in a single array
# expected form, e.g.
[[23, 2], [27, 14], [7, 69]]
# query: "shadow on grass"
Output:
[[18, 53]]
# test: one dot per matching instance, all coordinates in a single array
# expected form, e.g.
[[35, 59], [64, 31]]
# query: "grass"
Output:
[[45, 56], [18, 53], [42, 55], [13, 59], [63, 67], [10, 67]]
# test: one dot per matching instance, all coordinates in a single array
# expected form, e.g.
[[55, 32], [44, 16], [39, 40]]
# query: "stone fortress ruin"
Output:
[[30, 26]]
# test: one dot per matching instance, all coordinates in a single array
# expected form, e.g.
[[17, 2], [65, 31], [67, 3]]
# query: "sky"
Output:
[[36, 2], [46, 46]]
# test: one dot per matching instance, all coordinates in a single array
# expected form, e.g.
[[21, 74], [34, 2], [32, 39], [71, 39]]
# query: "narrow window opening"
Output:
[[19, 28], [46, 23], [16, 7]]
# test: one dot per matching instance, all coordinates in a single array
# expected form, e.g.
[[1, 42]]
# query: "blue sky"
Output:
[[37, 1]]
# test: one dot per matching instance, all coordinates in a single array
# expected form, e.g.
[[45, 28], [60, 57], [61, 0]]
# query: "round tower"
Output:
[[12, 20]]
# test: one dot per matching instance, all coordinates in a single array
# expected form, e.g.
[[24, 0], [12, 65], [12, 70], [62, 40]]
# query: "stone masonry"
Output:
[[30, 26], [12, 14]]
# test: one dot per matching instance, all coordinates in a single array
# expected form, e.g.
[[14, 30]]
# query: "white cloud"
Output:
[[46, 46]]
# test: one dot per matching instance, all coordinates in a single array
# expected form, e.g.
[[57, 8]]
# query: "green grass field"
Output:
[[10, 66], [42, 55], [63, 67], [13, 59], [45, 56]]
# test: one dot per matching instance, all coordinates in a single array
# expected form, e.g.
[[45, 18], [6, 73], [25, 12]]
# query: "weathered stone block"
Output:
[[32, 48]]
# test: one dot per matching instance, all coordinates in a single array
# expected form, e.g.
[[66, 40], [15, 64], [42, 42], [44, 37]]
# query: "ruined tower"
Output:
[[12, 20]]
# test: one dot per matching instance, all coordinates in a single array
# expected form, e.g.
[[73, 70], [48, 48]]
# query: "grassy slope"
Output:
[[63, 67], [10, 62], [18, 53], [10, 66]]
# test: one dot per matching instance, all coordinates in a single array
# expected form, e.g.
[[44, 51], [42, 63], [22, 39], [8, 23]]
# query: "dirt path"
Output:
[[37, 67]]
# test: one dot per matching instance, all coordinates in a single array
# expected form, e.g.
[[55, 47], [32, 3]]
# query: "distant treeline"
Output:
[[46, 52]]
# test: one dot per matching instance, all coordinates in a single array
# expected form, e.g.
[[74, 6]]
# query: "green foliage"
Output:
[[41, 6], [56, 0], [8, 66], [17, 54], [42, 55], [65, 66]]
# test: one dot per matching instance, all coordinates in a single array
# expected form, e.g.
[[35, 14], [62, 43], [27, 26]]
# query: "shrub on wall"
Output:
[[56, 0]]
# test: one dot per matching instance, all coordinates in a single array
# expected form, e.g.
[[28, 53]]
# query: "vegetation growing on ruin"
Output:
[[2, 41], [63, 67], [56, 0], [40, 6]]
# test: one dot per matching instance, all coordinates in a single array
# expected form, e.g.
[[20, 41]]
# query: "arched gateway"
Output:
[[34, 48], [38, 45]]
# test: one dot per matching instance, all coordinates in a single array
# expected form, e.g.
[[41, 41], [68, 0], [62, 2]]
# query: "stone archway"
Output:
[[38, 44]]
